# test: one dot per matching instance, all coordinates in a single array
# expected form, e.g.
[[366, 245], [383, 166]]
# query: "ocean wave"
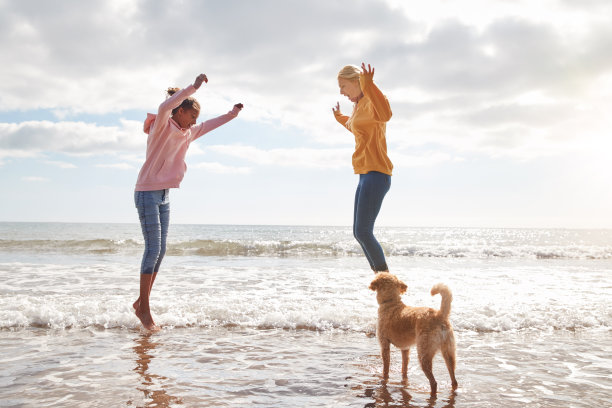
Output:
[[128, 321], [260, 248], [287, 248], [113, 313], [98, 246]]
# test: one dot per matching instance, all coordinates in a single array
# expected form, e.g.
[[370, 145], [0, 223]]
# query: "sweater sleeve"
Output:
[[212, 124], [342, 119], [165, 109], [382, 109]]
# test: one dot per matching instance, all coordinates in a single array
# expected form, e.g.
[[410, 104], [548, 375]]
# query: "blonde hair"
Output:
[[350, 72]]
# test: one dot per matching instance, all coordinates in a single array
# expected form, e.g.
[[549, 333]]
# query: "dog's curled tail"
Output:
[[447, 298]]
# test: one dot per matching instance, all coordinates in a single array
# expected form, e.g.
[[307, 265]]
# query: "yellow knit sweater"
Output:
[[368, 124]]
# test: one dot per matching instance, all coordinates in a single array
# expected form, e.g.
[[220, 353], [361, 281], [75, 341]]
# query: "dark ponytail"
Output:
[[189, 103]]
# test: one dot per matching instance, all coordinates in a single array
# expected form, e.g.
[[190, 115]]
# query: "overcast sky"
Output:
[[500, 109]]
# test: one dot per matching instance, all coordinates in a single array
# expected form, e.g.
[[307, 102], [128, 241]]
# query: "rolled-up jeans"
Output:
[[154, 213], [371, 191]]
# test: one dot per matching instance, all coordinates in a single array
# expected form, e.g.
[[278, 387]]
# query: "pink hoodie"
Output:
[[167, 144]]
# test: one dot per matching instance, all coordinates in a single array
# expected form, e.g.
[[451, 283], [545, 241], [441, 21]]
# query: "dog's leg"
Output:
[[426, 360], [405, 359], [448, 352], [385, 353]]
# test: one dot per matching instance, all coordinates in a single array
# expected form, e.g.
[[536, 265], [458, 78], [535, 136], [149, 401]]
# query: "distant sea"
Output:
[[281, 316]]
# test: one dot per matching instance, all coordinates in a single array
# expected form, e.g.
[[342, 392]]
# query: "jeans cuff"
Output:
[[381, 268]]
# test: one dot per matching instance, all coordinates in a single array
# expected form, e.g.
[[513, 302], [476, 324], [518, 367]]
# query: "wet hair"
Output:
[[189, 103], [350, 72]]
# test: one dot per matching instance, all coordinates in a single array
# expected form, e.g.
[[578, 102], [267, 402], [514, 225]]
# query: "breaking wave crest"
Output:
[[289, 249]]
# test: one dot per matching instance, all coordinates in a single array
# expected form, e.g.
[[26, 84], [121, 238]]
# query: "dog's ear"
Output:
[[403, 287], [374, 285]]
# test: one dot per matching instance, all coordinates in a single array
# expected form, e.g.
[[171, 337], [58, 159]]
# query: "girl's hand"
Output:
[[336, 109], [239, 106], [369, 71], [198, 81]]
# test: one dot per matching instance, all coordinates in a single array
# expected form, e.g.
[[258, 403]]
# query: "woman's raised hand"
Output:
[[199, 79], [336, 108], [369, 71]]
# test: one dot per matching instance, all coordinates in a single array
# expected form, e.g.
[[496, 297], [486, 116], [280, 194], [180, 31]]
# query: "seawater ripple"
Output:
[[325, 296], [248, 311], [288, 248], [63, 276]]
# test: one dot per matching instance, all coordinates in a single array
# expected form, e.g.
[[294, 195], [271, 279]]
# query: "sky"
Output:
[[500, 109]]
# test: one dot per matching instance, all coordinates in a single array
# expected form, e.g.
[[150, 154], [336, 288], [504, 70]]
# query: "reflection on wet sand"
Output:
[[399, 397], [151, 384]]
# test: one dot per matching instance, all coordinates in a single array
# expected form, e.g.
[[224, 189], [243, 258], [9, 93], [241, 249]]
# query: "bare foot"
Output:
[[147, 320], [136, 306]]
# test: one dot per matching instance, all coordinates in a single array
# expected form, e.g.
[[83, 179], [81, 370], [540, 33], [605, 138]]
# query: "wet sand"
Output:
[[237, 367]]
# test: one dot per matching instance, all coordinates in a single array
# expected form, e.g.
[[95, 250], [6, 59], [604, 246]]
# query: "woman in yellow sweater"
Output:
[[370, 161]]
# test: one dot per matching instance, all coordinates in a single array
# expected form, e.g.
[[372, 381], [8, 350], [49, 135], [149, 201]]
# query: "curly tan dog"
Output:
[[404, 326]]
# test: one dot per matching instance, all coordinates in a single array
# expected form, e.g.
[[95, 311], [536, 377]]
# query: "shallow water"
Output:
[[285, 321], [236, 367]]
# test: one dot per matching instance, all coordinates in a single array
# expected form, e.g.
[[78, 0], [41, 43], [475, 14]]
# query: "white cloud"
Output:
[[35, 179], [426, 159], [219, 168], [290, 157], [61, 164], [117, 166], [79, 138], [17, 153], [469, 80], [448, 68]]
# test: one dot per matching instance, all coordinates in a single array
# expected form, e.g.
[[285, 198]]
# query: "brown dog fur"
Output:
[[404, 326]]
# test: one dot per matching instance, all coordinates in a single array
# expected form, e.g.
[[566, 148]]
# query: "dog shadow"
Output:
[[397, 396]]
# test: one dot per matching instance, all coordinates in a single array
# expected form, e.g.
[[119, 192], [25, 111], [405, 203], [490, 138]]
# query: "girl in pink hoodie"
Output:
[[170, 133]]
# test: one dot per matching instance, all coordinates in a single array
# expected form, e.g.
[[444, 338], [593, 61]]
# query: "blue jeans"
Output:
[[369, 196], [154, 213]]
